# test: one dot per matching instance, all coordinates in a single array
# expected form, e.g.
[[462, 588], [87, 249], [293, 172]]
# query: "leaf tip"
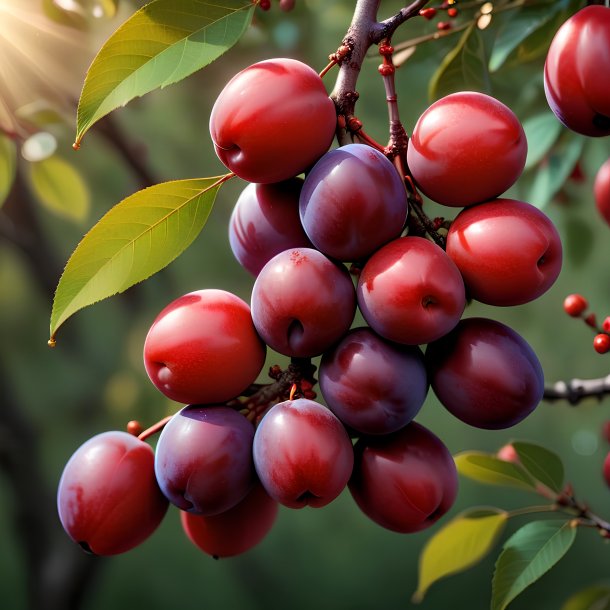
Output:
[[76, 144], [417, 597], [52, 342]]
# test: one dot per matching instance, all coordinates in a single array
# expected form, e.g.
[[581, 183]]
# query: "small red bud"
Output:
[[264, 5], [134, 427], [428, 13], [354, 124], [606, 324], [601, 343], [386, 69], [386, 49], [443, 25], [591, 320], [575, 305], [452, 12]]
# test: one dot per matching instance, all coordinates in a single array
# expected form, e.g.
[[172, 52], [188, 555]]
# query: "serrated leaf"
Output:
[[463, 68], [595, 597], [527, 555], [460, 544], [516, 29], [544, 465], [555, 169], [487, 468], [541, 132], [60, 188], [136, 238], [162, 43], [8, 166]]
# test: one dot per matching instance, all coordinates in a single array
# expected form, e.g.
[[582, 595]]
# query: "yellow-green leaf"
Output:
[[460, 544], [8, 166], [527, 555], [487, 468], [136, 238], [595, 597], [162, 43], [60, 188]]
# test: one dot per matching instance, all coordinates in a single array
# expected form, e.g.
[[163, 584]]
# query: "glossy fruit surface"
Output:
[[373, 385], [577, 63], [203, 460], [404, 481], [601, 191], [575, 305], [272, 121], [466, 148], [353, 201], [264, 222], [236, 530], [508, 251], [203, 348], [302, 453], [302, 302], [108, 498], [607, 469], [485, 373], [411, 292]]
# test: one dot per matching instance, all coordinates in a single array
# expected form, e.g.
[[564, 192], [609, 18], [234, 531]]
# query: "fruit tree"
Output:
[[331, 309]]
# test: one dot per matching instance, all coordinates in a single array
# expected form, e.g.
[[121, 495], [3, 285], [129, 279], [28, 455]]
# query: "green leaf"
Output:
[[8, 166], [541, 132], [60, 188], [526, 556], [136, 238], [578, 240], [544, 465], [487, 468], [460, 544], [554, 170], [515, 30], [463, 68], [162, 43], [595, 597]]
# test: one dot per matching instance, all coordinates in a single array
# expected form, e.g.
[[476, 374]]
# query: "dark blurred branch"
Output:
[[132, 153], [576, 390]]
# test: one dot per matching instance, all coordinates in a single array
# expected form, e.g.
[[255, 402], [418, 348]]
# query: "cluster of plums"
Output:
[[273, 122]]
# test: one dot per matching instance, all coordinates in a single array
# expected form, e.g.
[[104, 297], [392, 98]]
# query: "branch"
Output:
[[576, 390]]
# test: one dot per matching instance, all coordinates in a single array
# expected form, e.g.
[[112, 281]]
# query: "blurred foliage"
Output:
[[94, 380]]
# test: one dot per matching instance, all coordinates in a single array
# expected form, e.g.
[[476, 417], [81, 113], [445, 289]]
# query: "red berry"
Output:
[[577, 58], [575, 305], [591, 320], [272, 121], [203, 348], [264, 5], [428, 13], [508, 251], [466, 148], [444, 25], [601, 343], [108, 497], [452, 12], [234, 531], [606, 324], [404, 481]]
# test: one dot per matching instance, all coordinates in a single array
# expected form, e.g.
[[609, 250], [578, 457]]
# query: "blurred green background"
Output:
[[53, 400]]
